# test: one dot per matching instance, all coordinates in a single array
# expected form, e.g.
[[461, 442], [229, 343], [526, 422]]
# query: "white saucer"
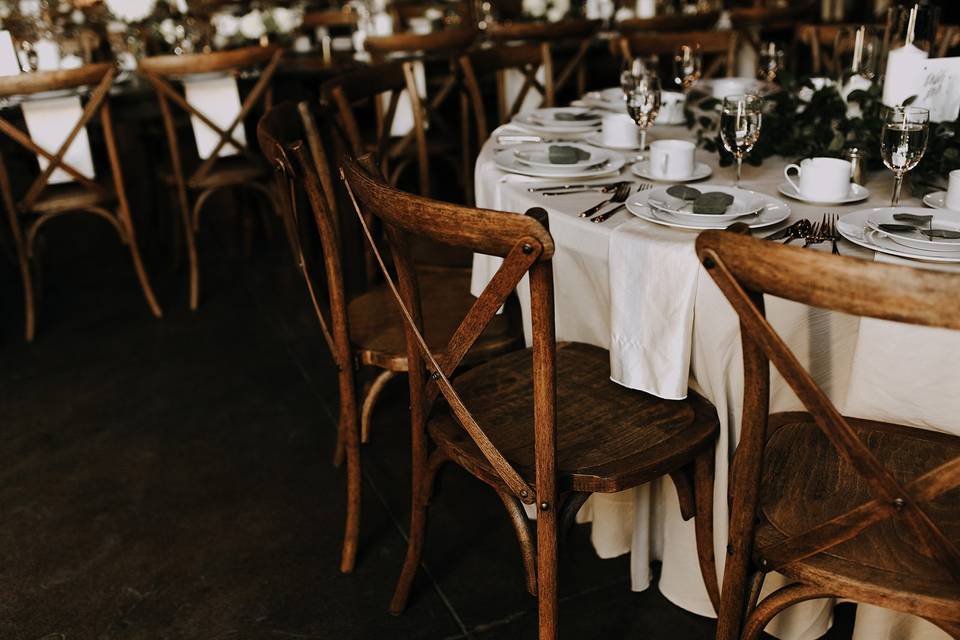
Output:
[[856, 194], [608, 162], [937, 200], [700, 171], [596, 139]]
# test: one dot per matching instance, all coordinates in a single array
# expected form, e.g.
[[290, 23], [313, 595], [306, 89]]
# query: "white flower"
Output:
[[30, 8], [286, 19], [168, 29], [555, 14], [78, 17], [226, 25], [535, 8], [252, 26], [4, 10], [131, 10]]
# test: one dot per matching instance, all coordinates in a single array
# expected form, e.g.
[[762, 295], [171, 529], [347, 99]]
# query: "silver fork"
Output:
[[816, 235], [832, 232], [603, 216], [621, 193]]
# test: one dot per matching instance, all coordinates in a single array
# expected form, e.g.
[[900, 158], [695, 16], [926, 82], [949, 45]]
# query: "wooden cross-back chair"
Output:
[[850, 508], [671, 22], [29, 210], [719, 48], [570, 39], [246, 170], [365, 330], [544, 427], [759, 23], [404, 10], [823, 41]]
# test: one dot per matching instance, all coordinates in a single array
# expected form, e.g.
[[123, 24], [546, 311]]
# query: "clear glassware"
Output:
[[641, 92], [857, 52], [740, 121], [771, 61], [687, 65], [903, 142]]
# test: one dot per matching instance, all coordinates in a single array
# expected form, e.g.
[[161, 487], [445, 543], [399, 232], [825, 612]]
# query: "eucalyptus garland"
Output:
[[801, 121]]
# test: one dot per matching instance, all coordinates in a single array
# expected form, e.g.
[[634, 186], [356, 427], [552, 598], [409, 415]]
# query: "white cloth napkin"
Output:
[[513, 80], [219, 100], [653, 287], [403, 117], [913, 392]]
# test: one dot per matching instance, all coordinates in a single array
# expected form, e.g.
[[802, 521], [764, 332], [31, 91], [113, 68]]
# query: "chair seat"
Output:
[[227, 172], [377, 329], [71, 196], [609, 438], [881, 565]]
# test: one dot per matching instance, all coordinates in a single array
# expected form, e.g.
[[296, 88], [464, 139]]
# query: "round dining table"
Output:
[[637, 289]]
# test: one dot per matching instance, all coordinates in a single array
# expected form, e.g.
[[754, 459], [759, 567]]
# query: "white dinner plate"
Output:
[[596, 139], [538, 155], [853, 227], [745, 203], [937, 200], [538, 121], [857, 193], [607, 162], [942, 219], [700, 171], [775, 212]]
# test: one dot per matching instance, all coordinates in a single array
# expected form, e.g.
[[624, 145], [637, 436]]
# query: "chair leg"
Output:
[[139, 268], [370, 401], [418, 523], [30, 317], [547, 582], [349, 437], [703, 522], [518, 518], [777, 602]]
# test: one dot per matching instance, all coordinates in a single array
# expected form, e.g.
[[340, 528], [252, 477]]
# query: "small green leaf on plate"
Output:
[[897, 228], [940, 233], [563, 116], [712, 203], [562, 154], [912, 217], [683, 192]]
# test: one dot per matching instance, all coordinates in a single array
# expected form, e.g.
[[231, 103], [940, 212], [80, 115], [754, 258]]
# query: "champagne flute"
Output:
[[903, 142], [771, 60], [641, 91], [740, 122], [687, 65]]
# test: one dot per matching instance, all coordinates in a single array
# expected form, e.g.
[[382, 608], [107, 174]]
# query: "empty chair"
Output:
[[544, 427], [669, 23], [849, 508], [365, 330], [225, 161], [101, 193], [719, 48]]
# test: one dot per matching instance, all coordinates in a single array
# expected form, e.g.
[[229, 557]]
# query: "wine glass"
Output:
[[740, 122], [903, 142], [856, 52], [771, 60], [687, 65], [641, 91]]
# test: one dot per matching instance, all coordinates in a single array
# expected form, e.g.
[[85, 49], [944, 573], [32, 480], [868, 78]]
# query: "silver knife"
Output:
[[564, 187], [604, 216]]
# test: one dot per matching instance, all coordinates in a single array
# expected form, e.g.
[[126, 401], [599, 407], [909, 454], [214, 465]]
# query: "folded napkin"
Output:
[[49, 123], [219, 100], [653, 287], [906, 374]]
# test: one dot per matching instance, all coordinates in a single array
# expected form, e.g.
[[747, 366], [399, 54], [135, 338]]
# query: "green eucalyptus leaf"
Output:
[[948, 234], [712, 203], [912, 217], [564, 154], [683, 192]]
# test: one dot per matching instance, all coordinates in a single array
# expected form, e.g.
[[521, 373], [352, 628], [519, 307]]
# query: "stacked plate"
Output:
[[905, 232], [671, 104], [750, 207], [558, 160], [559, 120]]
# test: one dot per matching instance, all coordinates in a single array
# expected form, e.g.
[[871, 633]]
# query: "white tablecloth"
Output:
[[636, 288]]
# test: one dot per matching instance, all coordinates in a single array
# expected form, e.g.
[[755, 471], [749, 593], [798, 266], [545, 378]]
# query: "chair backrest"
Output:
[[329, 18], [404, 10], [527, 248], [164, 71], [493, 62], [100, 78], [445, 43], [672, 22], [719, 48], [575, 33], [744, 269], [294, 146], [350, 91]]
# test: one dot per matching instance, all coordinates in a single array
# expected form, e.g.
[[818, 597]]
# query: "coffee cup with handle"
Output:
[[823, 179], [672, 159]]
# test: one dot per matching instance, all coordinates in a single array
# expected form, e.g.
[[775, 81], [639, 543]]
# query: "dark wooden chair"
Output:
[[365, 330], [543, 427], [569, 41], [849, 508], [719, 48], [758, 24], [195, 179], [28, 210], [669, 23]]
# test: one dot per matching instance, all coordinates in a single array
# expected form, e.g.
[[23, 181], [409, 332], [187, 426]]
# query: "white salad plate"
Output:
[[942, 219], [607, 162], [774, 212], [538, 155]]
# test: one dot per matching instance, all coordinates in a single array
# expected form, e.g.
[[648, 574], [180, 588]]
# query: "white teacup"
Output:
[[953, 190], [671, 108], [620, 131], [821, 178], [672, 159]]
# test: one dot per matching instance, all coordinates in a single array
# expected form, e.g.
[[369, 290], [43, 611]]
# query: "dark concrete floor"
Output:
[[172, 479]]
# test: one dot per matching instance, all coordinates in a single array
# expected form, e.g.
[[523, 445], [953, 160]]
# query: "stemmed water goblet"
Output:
[[687, 65], [740, 121], [903, 142], [641, 91]]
